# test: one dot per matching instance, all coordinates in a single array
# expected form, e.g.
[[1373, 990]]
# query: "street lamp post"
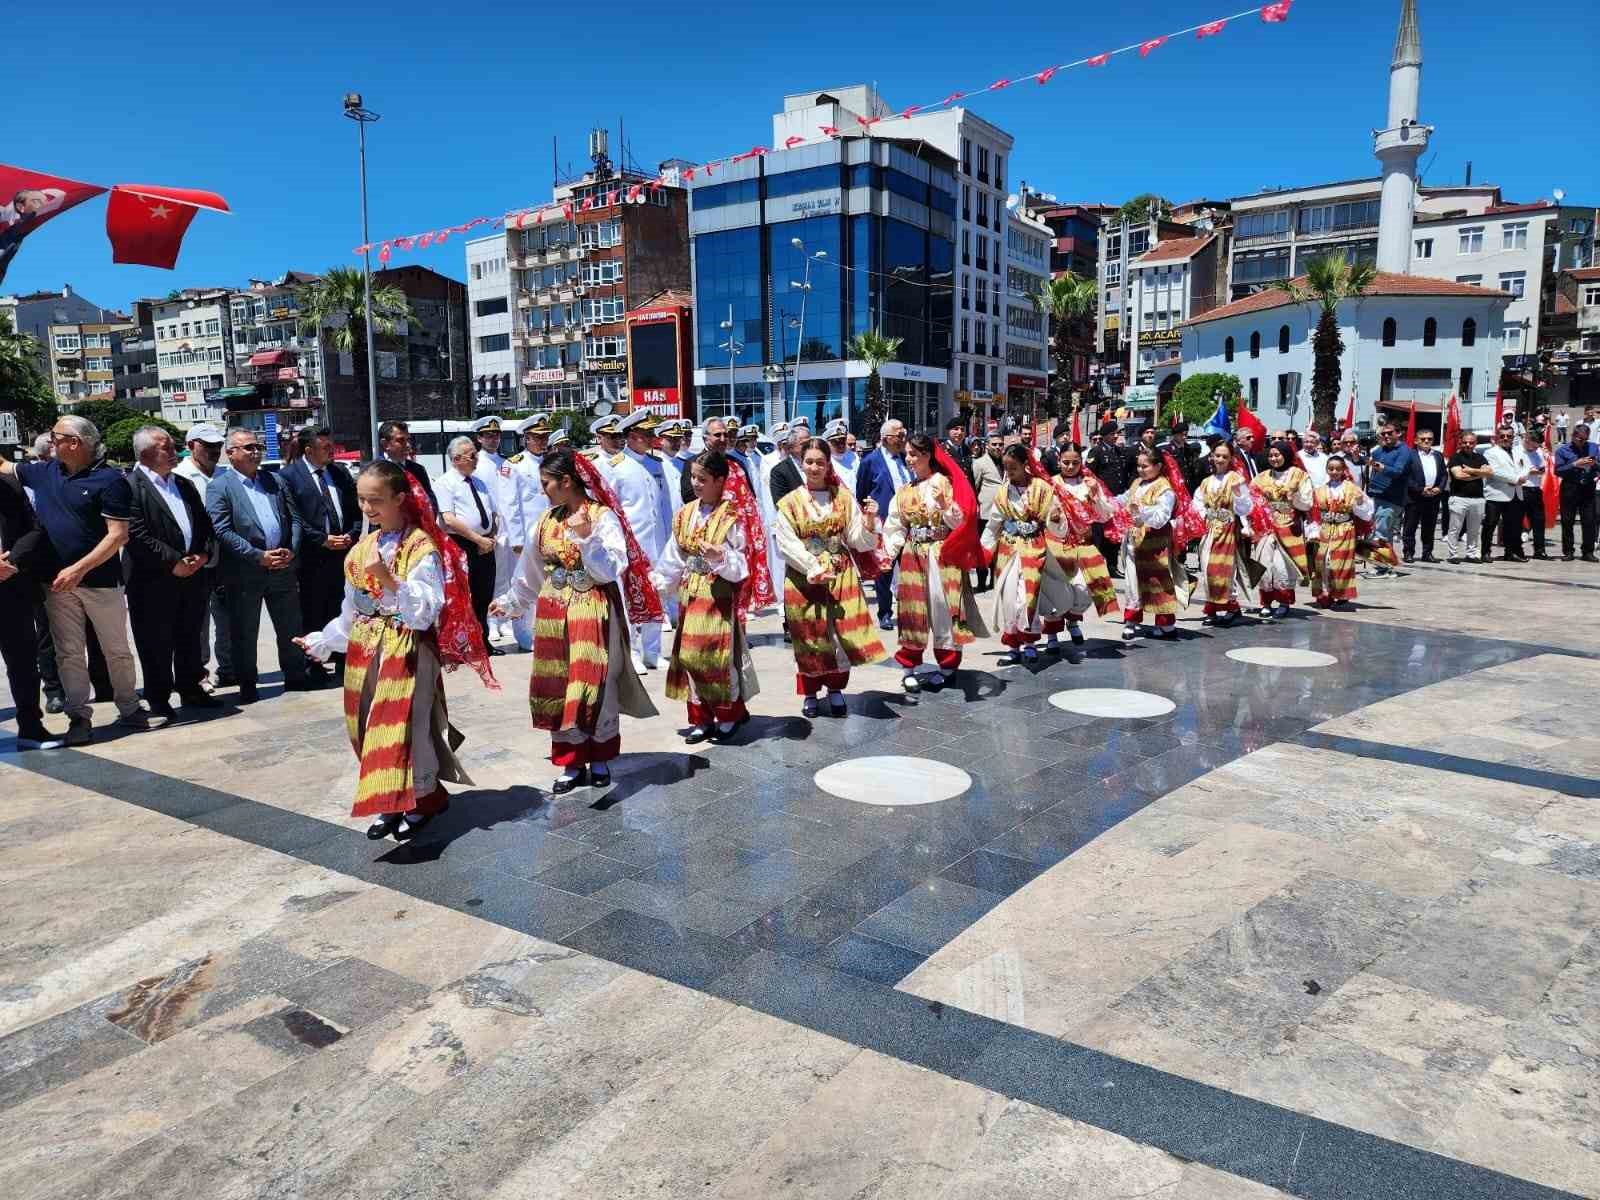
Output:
[[364, 117], [732, 346], [800, 339]]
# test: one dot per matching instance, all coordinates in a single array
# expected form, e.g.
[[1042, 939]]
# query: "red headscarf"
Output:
[[638, 593], [460, 637], [961, 549], [756, 591]]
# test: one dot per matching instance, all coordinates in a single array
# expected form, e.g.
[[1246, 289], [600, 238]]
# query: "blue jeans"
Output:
[[1386, 522]]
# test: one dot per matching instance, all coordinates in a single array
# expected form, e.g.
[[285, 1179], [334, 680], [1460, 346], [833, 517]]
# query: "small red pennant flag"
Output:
[[383, 254], [611, 198], [146, 224], [566, 210], [1210, 29], [404, 243], [1146, 47], [588, 203], [998, 84], [907, 113], [1046, 75], [1099, 60], [709, 167], [688, 174], [1274, 13], [867, 122], [439, 241], [951, 99], [634, 192], [425, 241], [829, 130], [655, 184], [789, 143]]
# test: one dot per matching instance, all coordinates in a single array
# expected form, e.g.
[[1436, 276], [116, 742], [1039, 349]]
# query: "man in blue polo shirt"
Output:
[[84, 506], [1388, 477]]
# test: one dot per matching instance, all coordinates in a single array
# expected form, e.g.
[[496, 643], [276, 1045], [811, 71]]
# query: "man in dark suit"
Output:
[[394, 443], [25, 560], [1113, 468], [169, 544], [322, 497], [955, 445], [258, 535], [881, 474], [1427, 487], [1186, 454], [785, 476]]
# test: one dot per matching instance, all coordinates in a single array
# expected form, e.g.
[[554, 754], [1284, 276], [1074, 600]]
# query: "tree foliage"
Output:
[[24, 389], [1144, 206], [1070, 303], [336, 304], [117, 442], [107, 414], [876, 350], [1195, 398]]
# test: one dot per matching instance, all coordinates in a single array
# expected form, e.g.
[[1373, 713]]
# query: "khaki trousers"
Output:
[[70, 613]]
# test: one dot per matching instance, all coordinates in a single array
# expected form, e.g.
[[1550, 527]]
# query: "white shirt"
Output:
[[174, 498], [1316, 466], [1430, 468], [455, 490], [191, 471], [321, 478], [508, 487], [265, 506]]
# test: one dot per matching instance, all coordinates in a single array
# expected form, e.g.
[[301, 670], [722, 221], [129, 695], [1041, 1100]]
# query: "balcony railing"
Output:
[[552, 254], [561, 293], [550, 337]]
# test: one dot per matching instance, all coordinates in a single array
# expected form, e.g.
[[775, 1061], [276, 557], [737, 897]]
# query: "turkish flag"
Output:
[[1153, 44], [1274, 13], [28, 199], [1411, 426], [1210, 29], [1551, 486], [1452, 427], [1350, 414], [1249, 420], [1499, 407], [1077, 429], [1099, 60], [146, 224]]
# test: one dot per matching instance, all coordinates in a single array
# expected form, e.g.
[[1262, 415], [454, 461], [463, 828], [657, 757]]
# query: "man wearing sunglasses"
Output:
[[259, 534], [84, 506]]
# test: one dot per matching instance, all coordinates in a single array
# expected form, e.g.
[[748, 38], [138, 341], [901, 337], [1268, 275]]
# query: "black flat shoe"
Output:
[[567, 783], [410, 826], [599, 777], [383, 826], [696, 735]]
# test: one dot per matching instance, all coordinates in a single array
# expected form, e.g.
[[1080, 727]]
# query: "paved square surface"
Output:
[[1327, 929]]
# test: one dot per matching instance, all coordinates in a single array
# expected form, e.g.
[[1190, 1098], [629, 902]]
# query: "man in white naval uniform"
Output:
[[837, 435], [676, 457], [535, 433], [650, 515], [607, 450], [505, 485]]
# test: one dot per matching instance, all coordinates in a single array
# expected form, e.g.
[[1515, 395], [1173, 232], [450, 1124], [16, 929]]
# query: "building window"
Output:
[[1591, 295], [1262, 224], [1430, 332], [1514, 333], [1422, 248], [1000, 172], [1331, 218], [1285, 393], [1255, 393], [1227, 350], [488, 308], [1389, 331], [961, 373], [214, 327], [1465, 389], [1514, 283], [495, 341], [1469, 332], [1113, 273], [1283, 339], [966, 336], [1138, 242], [1255, 346], [68, 341], [1471, 280], [1471, 240], [1514, 235], [966, 247]]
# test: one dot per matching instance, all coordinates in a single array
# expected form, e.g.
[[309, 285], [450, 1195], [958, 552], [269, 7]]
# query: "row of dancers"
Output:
[[584, 582]]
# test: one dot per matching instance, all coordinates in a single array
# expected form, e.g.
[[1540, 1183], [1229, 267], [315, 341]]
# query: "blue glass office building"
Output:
[[884, 214]]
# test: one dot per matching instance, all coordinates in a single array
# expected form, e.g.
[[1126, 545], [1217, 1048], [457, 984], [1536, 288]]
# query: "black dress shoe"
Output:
[[1544, 558], [164, 710], [386, 824], [224, 679], [566, 783], [317, 669], [599, 777], [198, 700], [494, 651], [247, 694], [697, 735], [58, 704], [410, 826], [1590, 558], [311, 683], [1429, 558]]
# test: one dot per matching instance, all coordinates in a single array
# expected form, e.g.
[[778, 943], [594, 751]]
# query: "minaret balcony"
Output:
[[1403, 139]]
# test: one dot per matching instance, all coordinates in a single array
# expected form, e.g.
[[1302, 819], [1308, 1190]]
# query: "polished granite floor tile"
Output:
[[929, 915], [869, 958]]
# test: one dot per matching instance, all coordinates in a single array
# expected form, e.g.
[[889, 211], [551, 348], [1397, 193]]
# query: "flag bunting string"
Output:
[[633, 192]]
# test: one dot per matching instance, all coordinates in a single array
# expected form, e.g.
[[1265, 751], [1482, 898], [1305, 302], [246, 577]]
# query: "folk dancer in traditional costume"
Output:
[[1338, 508], [1223, 500], [819, 528], [1031, 592], [536, 432], [709, 565], [1163, 522], [509, 490], [1287, 493], [586, 579], [1086, 502], [932, 535], [407, 613], [636, 489]]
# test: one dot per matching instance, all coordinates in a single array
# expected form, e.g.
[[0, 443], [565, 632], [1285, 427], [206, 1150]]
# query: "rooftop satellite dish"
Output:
[[1560, 195]]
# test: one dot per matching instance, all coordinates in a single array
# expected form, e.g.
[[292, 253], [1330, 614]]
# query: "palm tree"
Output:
[[874, 349], [1327, 281], [337, 303], [1070, 304]]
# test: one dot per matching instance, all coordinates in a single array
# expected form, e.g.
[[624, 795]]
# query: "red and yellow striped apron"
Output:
[[571, 631], [1028, 549], [1335, 572], [702, 650], [1152, 548], [1286, 519], [820, 612], [912, 589], [1076, 553], [1221, 546]]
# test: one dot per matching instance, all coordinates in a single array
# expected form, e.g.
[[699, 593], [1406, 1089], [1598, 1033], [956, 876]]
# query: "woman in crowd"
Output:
[[1339, 505], [1287, 492], [932, 535], [1086, 502], [708, 563], [1162, 523], [1031, 592], [407, 611], [818, 528], [586, 578], [1221, 500]]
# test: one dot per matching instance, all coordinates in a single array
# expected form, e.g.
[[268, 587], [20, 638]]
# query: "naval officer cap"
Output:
[[676, 427], [538, 423], [641, 419], [559, 438], [610, 423], [749, 431], [486, 425], [835, 430], [780, 431]]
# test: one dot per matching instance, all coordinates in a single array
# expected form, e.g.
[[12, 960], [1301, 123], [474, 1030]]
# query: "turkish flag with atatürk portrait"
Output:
[[146, 223], [30, 198]]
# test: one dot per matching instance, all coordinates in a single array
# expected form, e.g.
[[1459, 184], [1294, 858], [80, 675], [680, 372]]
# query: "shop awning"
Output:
[[269, 358], [234, 393]]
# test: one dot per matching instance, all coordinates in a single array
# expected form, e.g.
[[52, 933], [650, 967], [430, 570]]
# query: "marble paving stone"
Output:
[[42, 1057], [1413, 1027], [351, 993], [893, 780], [1280, 656], [835, 1144], [928, 916]]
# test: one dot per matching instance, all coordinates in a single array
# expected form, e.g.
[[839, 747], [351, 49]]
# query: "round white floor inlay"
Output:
[[893, 779], [1280, 656], [1112, 702]]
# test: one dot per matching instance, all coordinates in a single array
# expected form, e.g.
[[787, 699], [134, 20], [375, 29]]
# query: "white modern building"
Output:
[[491, 302], [1027, 325], [194, 355], [1169, 284]]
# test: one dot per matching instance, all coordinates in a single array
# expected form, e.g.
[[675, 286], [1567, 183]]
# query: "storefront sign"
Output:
[[1160, 337], [608, 366], [819, 206], [1026, 381], [544, 375], [663, 402]]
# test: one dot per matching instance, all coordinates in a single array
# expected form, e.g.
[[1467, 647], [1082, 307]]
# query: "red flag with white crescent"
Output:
[[1272, 14], [146, 223]]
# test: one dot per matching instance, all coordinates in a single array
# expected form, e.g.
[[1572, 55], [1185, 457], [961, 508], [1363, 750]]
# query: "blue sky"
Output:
[[244, 99]]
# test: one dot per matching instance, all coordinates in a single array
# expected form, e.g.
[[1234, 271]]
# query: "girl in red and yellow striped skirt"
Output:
[[1287, 493], [932, 535], [1086, 502], [1162, 524], [585, 577], [1032, 594], [710, 565], [1222, 498], [407, 613], [818, 527], [1338, 506]]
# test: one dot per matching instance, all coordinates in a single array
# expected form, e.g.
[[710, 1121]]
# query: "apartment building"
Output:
[[194, 355], [1028, 247], [133, 360], [281, 367], [80, 361], [1173, 282]]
